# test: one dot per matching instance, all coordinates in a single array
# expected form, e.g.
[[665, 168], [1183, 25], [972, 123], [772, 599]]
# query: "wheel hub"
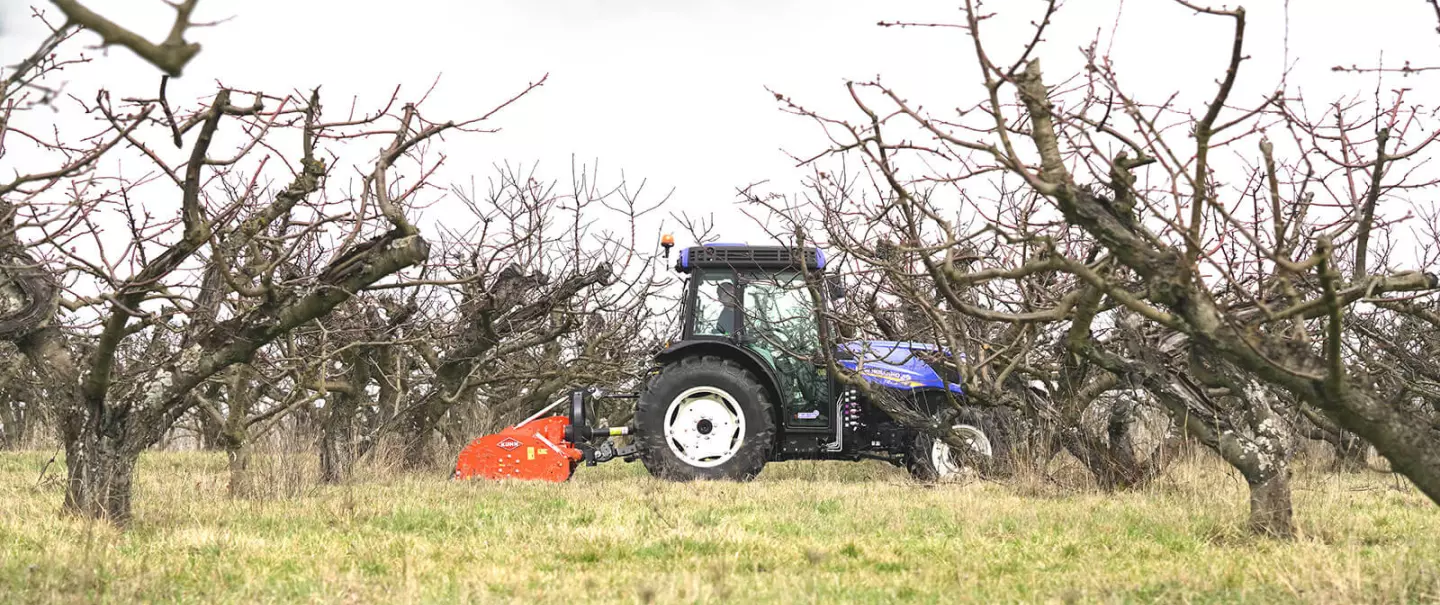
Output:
[[704, 427]]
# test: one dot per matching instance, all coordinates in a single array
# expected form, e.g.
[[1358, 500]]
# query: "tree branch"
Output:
[[170, 56]]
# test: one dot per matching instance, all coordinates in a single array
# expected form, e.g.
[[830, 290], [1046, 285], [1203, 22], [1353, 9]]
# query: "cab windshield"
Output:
[[779, 314], [777, 311]]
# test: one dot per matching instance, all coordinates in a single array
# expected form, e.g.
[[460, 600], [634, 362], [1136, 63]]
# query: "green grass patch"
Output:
[[802, 532]]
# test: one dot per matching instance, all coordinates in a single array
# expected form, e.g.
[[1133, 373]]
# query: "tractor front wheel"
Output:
[[932, 459], [705, 418]]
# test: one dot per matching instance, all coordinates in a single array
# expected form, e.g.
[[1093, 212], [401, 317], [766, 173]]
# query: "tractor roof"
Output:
[[743, 256]]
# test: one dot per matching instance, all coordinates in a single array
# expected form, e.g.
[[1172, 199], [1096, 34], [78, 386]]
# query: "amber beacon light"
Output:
[[667, 242]]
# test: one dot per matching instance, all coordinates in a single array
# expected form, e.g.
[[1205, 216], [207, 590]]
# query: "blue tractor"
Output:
[[747, 382]]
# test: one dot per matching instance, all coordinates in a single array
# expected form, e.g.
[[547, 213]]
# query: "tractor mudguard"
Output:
[[729, 350]]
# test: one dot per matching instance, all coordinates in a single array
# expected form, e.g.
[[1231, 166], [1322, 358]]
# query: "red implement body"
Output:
[[534, 450]]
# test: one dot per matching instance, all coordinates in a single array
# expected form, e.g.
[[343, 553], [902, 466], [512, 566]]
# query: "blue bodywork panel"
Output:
[[895, 365]]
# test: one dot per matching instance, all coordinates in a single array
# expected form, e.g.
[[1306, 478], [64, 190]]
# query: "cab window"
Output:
[[716, 310]]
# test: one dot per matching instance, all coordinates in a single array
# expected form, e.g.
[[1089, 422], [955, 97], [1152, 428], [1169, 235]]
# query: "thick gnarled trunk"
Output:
[[1270, 510], [102, 446], [419, 435], [100, 469], [338, 448], [1262, 458], [337, 441], [100, 449], [237, 453], [1260, 449]]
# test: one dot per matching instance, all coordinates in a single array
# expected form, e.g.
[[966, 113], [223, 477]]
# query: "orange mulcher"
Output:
[[547, 449]]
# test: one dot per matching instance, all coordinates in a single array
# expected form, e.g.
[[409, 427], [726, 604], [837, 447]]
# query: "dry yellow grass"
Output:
[[802, 533]]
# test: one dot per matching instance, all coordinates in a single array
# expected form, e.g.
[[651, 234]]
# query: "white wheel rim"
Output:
[[704, 427], [940, 456]]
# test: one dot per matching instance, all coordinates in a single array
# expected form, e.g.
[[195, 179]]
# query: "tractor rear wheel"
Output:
[[705, 417], [931, 459]]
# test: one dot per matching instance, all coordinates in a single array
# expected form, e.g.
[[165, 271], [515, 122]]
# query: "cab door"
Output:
[[780, 325]]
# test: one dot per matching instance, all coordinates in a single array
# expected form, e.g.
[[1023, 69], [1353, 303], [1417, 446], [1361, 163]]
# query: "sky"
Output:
[[674, 93]]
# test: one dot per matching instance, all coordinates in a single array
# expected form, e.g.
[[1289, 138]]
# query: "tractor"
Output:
[[747, 382]]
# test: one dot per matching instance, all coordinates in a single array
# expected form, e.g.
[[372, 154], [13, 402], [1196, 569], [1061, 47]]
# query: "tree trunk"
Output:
[[12, 425], [237, 450], [1263, 461], [337, 441], [1270, 510], [337, 431], [390, 372], [100, 448], [235, 432], [1113, 448], [1259, 447], [211, 430], [100, 471], [419, 431]]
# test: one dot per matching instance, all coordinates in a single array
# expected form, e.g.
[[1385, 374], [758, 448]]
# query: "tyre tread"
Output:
[[754, 453]]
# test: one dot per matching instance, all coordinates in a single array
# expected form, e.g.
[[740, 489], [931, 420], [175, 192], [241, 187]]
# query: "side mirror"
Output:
[[835, 286]]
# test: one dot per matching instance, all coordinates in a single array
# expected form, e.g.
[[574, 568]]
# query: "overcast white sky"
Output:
[[673, 92]]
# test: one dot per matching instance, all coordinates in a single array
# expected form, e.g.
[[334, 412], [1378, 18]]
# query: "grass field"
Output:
[[802, 533]]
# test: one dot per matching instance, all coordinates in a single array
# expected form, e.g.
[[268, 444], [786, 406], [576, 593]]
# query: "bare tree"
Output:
[[347, 362], [918, 279], [23, 415], [195, 273], [1223, 282], [332, 382], [534, 299]]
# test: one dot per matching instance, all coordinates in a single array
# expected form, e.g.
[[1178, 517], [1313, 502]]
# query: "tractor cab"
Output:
[[756, 302]]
